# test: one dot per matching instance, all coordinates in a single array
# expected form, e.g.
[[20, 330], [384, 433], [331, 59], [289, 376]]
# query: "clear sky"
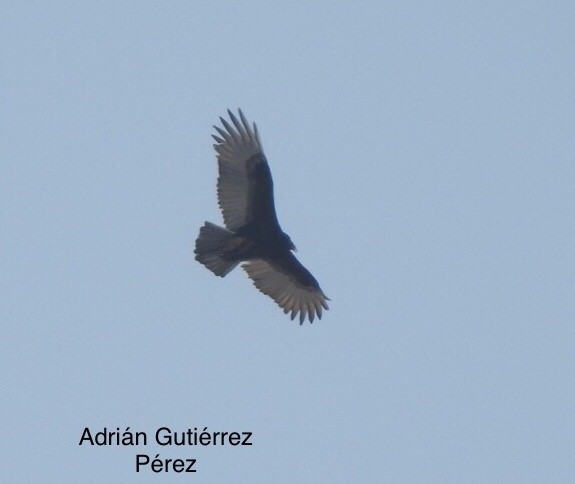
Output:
[[423, 159]]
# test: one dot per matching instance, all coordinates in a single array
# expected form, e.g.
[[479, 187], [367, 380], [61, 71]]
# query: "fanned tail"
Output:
[[209, 249]]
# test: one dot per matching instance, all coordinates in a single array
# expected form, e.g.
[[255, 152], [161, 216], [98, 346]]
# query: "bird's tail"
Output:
[[209, 249]]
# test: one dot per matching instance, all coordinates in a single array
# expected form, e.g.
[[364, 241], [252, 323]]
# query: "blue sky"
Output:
[[422, 155]]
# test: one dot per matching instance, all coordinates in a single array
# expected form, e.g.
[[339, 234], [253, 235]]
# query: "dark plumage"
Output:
[[253, 234]]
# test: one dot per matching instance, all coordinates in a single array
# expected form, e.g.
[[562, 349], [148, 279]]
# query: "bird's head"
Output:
[[289, 244]]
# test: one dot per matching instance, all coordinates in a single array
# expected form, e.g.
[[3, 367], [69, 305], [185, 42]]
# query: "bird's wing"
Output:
[[245, 187], [289, 284]]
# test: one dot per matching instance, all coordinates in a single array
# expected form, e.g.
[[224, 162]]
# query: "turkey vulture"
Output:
[[253, 234]]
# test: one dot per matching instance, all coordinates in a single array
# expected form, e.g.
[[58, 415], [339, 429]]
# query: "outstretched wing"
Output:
[[245, 187], [289, 284]]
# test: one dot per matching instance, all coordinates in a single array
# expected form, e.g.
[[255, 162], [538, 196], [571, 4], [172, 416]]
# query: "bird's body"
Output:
[[253, 234]]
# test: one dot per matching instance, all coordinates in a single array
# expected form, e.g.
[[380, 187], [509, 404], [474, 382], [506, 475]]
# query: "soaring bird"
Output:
[[253, 234]]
